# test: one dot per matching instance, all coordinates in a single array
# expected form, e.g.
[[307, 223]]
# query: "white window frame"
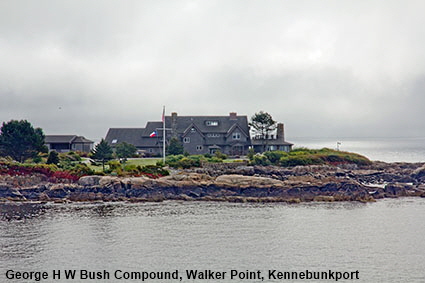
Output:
[[199, 147], [211, 123], [186, 139], [236, 136]]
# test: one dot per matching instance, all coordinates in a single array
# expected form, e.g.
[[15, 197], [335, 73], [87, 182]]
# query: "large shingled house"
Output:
[[198, 135]]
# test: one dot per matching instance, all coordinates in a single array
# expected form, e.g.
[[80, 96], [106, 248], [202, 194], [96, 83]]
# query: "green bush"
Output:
[[82, 170], [51, 167], [69, 156], [300, 160], [37, 159], [220, 155], [275, 156], [132, 168], [154, 170], [181, 161], [260, 159], [114, 165], [53, 158], [215, 159], [305, 156], [251, 154]]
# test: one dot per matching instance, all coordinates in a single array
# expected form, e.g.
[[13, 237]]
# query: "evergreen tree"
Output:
[[263, 124], [102, 152], [53, 158], [175, 147], [125, 150], [19, 140]]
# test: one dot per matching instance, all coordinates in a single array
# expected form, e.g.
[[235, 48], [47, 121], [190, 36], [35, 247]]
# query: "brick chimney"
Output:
[[280, 133], [233, 116], [174, 124]]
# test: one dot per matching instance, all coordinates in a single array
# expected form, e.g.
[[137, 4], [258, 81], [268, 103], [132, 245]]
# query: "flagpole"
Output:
[[163, 134]]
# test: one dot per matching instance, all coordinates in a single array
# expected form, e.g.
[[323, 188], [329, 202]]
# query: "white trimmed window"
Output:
[[186, 139], [236, 136], [211, 123], [199, 147], [213, 135]]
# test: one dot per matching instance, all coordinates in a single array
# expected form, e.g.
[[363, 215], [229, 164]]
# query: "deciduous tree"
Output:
[[19, 140]]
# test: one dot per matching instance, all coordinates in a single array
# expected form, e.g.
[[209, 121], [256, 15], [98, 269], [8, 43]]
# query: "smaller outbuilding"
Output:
[[65, 143], [272, 142]]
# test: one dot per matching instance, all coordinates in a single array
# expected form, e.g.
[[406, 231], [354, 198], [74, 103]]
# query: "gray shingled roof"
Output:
[[128, 135], [81, 139], [49, 139], [270, 142], [59, 138], [139, 137], [224, 123]]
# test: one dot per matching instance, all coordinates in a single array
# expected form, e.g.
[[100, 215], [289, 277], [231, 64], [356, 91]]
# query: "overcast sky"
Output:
[[324, 68]]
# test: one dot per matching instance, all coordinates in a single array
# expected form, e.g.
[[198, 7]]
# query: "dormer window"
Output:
[[236, 136], [211, 123]]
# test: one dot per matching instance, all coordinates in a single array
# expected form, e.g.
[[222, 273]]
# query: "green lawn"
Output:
[[143, 161], [135, 161]]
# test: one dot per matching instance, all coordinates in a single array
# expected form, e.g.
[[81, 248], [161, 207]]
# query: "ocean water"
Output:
[[383, 149], [383, 241]]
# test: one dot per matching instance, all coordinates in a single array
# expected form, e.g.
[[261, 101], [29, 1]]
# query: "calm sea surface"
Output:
[[384, 241], [384, 149]]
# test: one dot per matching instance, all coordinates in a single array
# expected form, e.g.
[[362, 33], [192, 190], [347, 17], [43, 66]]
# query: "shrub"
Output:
[[37, 159], [215, 160], [131, 168], [251, 153], [186, 162], [53, 158], [114, 165], [82, 170], [181, 161], [300, 160], [260, 159], [154, 170], [69, 156], [275, 156], [220, 155]]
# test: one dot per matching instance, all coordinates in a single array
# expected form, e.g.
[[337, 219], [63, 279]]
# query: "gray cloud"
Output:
[[340, 68]]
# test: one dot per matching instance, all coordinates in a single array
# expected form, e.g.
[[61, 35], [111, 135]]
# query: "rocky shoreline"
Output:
[[234, 183]]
